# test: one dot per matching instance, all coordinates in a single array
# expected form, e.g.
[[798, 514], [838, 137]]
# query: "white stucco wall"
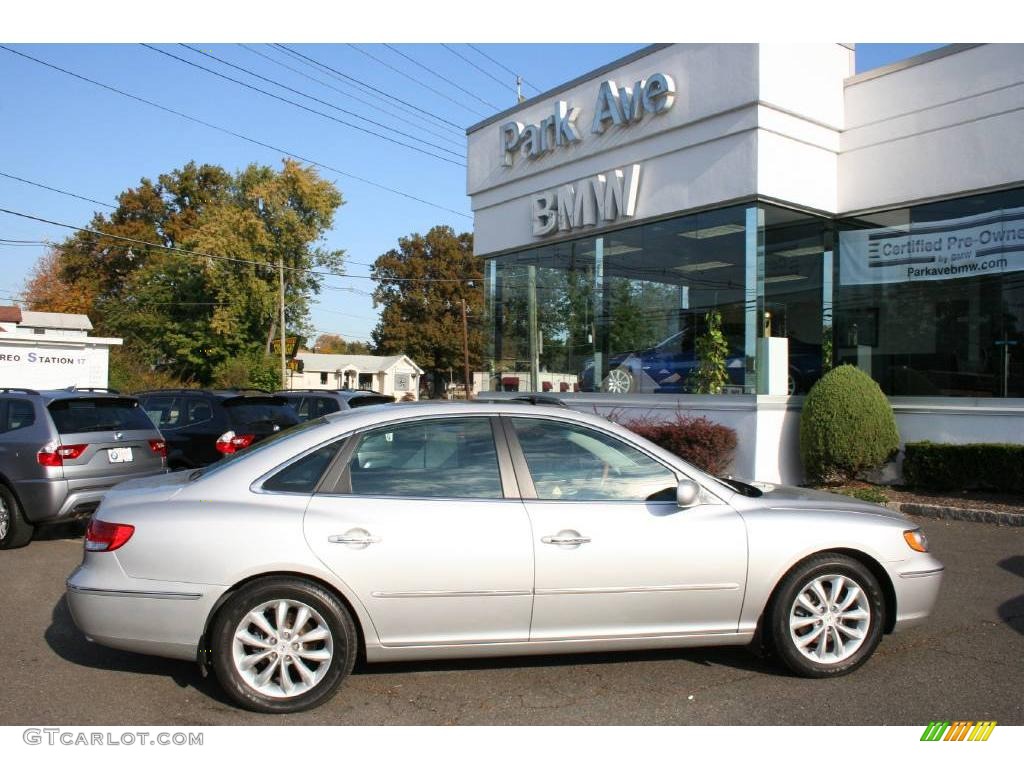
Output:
[[935, 129]]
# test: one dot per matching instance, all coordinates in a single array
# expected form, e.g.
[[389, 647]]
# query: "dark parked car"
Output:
[[202, 425], [60, 451], [311, 403], [667, 367]]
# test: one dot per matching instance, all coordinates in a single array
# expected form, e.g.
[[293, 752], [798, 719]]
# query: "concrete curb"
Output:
[[958, 513]]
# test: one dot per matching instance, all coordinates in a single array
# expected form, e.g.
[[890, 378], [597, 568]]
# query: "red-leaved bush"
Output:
[[696, 439]]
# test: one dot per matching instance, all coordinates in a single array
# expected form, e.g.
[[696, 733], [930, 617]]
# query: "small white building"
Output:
[[51, 350], [395, 375]]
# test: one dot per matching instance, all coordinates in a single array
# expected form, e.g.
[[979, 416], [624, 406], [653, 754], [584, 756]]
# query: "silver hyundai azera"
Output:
[[428, 531]]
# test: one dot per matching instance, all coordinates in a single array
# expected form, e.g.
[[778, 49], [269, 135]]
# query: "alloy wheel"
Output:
[[282, 648], [5, 519], [829, 619], [618, 382]]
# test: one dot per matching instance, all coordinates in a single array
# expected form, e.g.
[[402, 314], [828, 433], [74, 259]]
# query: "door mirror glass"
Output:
[[687, 493]]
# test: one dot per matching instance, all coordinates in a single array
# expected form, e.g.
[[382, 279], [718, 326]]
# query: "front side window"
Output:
[[442, 458], [571, 463]]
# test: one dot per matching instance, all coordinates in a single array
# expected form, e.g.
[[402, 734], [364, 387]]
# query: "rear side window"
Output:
[[303, 475], [20, 413], [166, 411], [98, 414], [443, 458], [261, 410]]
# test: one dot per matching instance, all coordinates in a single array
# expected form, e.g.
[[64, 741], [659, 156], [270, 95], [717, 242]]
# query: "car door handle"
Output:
[[566, 539], [357, 537]]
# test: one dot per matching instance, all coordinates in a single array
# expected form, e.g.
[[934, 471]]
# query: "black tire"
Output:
[[783, 642], [15, 530], [336, 616]]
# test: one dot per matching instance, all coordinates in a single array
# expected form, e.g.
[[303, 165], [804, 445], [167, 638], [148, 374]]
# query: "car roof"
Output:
[[222, 394], [71, 393]]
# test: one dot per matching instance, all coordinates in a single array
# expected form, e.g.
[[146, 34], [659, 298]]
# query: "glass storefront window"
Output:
[[930, 300], [624, 312]]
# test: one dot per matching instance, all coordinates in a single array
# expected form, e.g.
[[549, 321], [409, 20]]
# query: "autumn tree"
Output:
[[333, 344], [420, 286], [186, 313]]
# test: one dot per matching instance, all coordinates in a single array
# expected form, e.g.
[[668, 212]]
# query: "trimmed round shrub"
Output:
[[847, 427]]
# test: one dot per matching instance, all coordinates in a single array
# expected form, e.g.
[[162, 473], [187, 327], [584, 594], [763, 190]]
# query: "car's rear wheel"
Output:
[[283, 645], [827, 616], [15, 530]]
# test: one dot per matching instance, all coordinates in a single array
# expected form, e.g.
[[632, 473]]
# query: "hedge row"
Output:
[[975, 466]]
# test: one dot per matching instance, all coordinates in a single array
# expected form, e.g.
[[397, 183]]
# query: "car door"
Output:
[[615, 556], [425, 525]]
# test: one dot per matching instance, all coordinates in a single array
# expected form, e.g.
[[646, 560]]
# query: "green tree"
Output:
[[711, 374], [186, 314], [421, 286]]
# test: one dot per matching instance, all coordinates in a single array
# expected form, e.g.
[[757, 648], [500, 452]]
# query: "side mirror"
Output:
[[687, 493]]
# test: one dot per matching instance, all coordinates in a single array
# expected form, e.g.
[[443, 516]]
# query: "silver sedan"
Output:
[[429, 531]]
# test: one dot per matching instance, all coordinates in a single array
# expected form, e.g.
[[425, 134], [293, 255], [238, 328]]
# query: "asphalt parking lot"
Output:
[[967, 663]]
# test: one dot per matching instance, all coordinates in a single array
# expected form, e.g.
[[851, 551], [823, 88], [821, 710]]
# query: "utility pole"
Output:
[[280, 275], [465, 352]]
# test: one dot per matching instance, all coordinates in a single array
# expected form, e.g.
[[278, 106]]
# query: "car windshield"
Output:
[[252, 410], [98, 414], [274, 439]]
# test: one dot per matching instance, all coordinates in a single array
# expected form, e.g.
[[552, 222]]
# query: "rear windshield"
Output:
[[361, 400], [253, 410], [98, 414]]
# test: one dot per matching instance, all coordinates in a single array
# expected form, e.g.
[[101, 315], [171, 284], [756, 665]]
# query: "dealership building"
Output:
[[812, 216]]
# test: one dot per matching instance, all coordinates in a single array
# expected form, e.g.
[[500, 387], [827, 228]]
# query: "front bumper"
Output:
[[916, 584], [141, 615]]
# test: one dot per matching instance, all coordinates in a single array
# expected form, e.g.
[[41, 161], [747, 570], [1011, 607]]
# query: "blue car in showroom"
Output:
[[668, 366]]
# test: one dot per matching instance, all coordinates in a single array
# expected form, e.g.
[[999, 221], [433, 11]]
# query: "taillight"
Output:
[[159, 447], [53, 456], [102, 536], [229, 442]]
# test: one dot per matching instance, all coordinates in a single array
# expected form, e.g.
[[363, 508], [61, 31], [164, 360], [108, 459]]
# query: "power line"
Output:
[[302, 106], [384, 95], [478, 67], [440, 76], [235, 134], [425, 125], [320, 101], [406, 75], [495, 61], [202, 254], [54, 189]]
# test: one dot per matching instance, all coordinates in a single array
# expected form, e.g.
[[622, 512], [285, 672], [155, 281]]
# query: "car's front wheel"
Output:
[[827, 616], [283, 645]]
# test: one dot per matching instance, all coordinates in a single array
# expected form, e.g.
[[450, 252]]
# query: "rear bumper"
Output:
[[917, 589], [56, 500], [152, 617]]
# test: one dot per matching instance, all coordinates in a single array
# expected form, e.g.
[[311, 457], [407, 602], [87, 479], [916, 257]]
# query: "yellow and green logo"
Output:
[[958, 730]]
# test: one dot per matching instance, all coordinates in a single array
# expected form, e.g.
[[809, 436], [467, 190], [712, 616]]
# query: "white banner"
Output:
[[972, 246]]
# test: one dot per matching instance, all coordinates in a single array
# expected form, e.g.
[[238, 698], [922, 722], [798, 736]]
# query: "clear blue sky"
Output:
[[75, 136]]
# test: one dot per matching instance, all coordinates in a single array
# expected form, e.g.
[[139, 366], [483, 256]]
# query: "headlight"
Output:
[[916, 540]]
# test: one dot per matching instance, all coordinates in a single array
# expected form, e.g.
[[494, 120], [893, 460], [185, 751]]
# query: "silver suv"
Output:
[[60, 451]]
